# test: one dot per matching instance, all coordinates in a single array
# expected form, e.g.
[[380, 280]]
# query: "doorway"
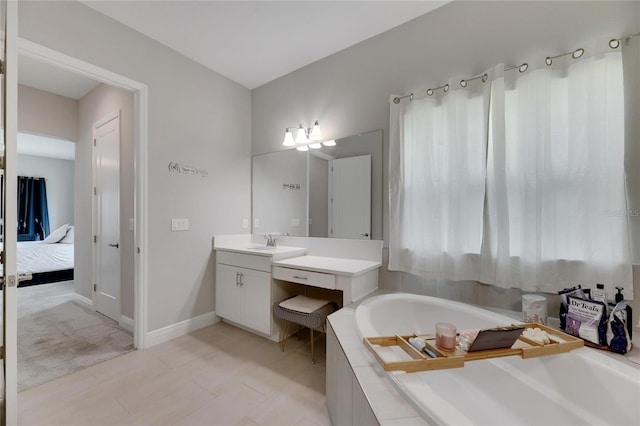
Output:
[[139, 223], [59, 329]]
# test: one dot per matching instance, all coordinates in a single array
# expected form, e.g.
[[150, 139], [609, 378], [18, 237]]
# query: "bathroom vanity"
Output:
[[251, 276], [354, 278]]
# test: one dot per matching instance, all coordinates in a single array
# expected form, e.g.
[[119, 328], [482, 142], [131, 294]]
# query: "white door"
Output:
[[106, 134], [9, 124], [350, 202]]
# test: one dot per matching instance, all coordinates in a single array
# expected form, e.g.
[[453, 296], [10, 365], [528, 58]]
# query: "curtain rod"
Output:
[[614, 43]]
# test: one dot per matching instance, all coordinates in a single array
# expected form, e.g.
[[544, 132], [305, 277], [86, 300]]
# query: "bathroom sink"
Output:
[[261, 248]]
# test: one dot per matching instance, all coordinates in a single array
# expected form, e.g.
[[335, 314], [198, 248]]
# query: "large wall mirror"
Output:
[[332, 192]]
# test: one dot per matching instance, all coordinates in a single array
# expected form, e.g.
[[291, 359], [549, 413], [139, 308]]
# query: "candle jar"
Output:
[[445, 336]]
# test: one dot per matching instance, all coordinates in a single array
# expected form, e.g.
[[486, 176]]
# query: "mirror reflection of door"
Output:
[[350, 202]]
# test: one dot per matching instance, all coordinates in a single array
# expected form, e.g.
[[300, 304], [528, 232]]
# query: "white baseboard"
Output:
[[83, 300], [126, 323], [181, 328]]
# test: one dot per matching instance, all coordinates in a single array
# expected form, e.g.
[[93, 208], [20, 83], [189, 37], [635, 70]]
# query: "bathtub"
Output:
[[584, 386]]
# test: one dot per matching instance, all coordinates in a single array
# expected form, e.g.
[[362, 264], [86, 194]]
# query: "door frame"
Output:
[[140, 92], [97, 214], [10, 286]]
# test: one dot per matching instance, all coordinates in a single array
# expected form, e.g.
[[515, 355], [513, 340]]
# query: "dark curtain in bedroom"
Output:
[[33, 213]]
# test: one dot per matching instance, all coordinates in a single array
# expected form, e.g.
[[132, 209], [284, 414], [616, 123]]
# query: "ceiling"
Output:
[[250, 42], [49, 78], [43, 146], [254, 42]]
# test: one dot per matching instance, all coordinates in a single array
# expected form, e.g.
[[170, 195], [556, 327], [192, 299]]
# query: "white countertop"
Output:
[[331, 265], [278, 252]]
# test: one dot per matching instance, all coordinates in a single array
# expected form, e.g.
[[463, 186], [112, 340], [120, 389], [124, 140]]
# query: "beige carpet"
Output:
[[58, 336]]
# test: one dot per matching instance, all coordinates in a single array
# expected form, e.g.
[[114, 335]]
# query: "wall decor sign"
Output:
[[291, 186], [186, 170]]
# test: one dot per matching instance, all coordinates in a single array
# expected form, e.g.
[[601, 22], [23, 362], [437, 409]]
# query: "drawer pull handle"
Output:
[[299, 277]]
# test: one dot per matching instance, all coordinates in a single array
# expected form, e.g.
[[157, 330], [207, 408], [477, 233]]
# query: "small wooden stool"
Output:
[[305, 311]]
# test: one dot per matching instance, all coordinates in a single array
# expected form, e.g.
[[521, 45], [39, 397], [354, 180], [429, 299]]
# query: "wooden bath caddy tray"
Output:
[[526, 348]]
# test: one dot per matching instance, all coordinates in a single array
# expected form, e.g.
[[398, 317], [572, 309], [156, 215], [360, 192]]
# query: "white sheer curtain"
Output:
[[437, 177], [556, 204], [550, 153]]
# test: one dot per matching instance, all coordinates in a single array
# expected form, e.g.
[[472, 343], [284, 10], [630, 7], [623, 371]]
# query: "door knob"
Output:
[[116, 245]]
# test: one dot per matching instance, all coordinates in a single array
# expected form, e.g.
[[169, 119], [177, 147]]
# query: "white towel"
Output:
[[303, 304]]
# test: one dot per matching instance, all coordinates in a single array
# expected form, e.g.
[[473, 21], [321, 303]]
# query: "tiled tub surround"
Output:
[[358, 388]]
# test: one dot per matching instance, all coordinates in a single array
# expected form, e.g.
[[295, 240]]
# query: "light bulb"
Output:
[[288, 139], [315, 134], [301, 136], [302, 148], [316, 145], [332, 142]]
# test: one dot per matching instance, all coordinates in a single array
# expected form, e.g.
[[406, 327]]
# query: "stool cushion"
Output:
[[313, 319], [303, 304]]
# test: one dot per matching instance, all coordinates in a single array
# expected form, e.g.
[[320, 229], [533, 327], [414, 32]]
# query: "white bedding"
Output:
[[35, 257]]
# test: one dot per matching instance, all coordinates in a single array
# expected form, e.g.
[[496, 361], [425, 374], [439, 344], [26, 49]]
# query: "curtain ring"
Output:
[[523, 67], [485, 78], [614, 43], [548, 61], [463, 83], [430, 92], [446, 88], [577, 53]]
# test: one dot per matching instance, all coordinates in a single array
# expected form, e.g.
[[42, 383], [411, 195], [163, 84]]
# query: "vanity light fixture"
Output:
[[288, 138], [303, 135], [315, 134], [331, 142]]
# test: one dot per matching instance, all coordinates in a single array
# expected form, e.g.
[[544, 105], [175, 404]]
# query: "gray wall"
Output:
[[197, 118], [47, 114], [59, 177], [94, 106], [349, 91]]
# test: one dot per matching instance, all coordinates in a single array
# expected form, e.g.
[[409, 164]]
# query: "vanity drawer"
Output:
[[249, 261], [314, 279]]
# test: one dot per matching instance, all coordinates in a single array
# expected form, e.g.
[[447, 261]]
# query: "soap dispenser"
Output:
[[628, 312]]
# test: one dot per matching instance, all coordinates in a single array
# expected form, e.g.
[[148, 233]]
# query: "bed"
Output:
[[47, 263]]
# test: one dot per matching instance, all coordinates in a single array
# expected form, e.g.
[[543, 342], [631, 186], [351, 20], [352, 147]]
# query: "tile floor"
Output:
[[219, 375]]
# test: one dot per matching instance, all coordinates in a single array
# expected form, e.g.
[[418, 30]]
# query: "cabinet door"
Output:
[[228, 293], [256, 309]]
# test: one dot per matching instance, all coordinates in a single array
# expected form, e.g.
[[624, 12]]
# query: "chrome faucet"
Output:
[[271, 242]]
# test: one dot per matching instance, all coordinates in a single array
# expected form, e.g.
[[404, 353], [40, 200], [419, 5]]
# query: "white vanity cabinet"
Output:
[[243, 296], [243, 290]]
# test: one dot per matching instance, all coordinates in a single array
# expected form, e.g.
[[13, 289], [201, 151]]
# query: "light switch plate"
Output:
[[295, 222], [245, 223], [179, 224], [132, 225], [256, 223]]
